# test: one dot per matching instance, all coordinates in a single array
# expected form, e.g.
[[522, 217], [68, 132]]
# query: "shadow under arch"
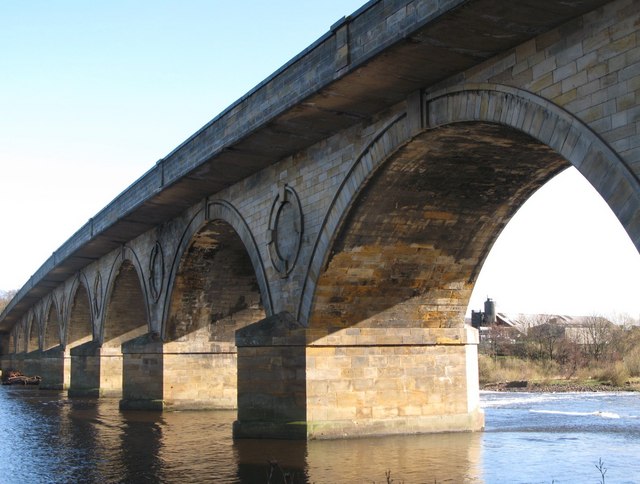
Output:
[[125, 314], [78, 316], [124, 318], [52, 324], [448, 117], [12, 343], [22, 332], [218, 210], [34, 332], [18, 337]]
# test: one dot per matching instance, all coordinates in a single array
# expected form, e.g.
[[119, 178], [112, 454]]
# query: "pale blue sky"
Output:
[[92, 94]]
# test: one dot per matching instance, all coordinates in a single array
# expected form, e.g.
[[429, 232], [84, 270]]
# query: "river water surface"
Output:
[[529, 438]]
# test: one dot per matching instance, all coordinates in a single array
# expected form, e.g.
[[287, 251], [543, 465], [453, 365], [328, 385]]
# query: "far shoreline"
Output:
[[558, 386]]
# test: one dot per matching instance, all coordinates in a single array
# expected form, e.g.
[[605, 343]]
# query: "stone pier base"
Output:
[[178, 375], [31, 364], [96, 371], [299, 383], [55, 369]]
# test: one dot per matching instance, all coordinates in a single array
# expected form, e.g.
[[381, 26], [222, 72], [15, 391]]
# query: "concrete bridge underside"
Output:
[[308, 256]]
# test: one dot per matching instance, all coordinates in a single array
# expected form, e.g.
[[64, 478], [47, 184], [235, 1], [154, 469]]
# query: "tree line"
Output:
[[595, 344]]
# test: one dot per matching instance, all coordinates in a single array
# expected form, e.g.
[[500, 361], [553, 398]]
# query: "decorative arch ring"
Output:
[[524, 111], [156, 271]]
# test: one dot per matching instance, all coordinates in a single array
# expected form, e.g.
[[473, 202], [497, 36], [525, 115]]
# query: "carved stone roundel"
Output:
[[285, 230]]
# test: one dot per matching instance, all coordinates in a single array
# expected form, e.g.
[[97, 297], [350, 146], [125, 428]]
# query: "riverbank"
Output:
[[531, 375], [557, 386]]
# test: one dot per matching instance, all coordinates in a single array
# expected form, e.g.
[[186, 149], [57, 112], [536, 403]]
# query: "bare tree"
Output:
[[499, 341], [598, 335], [6, 297], [544, 334]]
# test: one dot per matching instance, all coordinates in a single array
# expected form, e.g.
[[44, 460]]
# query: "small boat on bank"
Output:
[[16, 378]]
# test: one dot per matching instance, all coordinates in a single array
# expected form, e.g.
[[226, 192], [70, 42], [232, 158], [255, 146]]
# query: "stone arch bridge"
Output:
[[307, 257]]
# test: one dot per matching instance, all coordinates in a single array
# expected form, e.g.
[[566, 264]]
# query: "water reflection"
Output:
[[47, 437], [88, 440], [418, 458], [259, 459]]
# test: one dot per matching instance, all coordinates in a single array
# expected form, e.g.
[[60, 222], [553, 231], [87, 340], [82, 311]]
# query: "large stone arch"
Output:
[[12, 341], [218, 210], [499, 109], [33, 333], [78, 327], [20, 336], [52, 324], [398, 252], [79, 370], [126, 308], [21, 333]]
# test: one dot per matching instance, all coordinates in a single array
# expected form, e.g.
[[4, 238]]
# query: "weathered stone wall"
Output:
[[55, 369], [390, 380], [84, 377], [304, 383], [590, 67]]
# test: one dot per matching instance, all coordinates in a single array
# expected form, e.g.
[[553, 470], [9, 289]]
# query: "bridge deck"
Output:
[[365, 63]]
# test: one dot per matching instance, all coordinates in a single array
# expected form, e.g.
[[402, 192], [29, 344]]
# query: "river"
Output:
[[46, 437]]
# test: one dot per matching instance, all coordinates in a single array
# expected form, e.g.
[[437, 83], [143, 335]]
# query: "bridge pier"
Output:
[[55, 369], [178, 375], [295, 382], [31, 363], [142, 374], [96, 371]]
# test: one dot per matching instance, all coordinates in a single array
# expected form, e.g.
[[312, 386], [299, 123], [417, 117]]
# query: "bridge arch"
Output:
[[33, 333], [52, 328], [12, 341], [126, 311], [471, 116], [21, 333], [196, 248], [79, 327]]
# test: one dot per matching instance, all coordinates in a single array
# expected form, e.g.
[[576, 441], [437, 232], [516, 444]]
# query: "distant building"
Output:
[[486, 317], [577, 329]]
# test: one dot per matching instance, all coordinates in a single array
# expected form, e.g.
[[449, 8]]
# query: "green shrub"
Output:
[[506, 369], [632, 361], [615, 373]]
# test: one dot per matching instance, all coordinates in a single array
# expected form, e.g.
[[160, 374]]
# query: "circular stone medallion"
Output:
[[285, 230]]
